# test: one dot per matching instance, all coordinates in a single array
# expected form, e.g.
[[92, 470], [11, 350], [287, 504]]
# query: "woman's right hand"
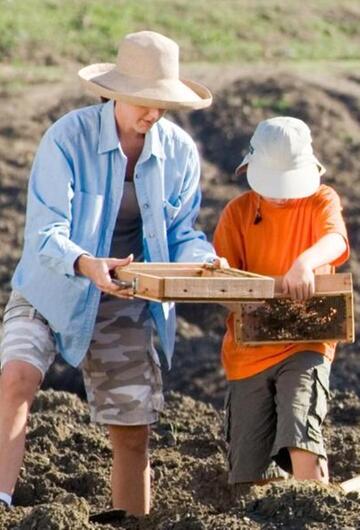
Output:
[[98, 270]]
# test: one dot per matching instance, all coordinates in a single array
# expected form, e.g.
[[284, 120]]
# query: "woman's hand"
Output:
[[220, 263], [98, 270]]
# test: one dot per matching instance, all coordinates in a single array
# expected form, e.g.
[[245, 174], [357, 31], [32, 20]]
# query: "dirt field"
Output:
[[67, 464]]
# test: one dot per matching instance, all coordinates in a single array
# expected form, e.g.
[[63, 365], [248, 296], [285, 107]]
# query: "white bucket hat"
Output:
[[281, 163], [146, 73]]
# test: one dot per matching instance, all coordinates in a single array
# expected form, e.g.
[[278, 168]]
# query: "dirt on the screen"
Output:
[[283, 319], [66, 473]]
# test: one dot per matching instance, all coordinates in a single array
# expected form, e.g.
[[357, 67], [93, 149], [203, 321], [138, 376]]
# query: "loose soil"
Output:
[[319, 318], [65, 476]]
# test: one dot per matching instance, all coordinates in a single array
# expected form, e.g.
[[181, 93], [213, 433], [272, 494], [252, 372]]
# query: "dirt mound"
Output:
[[66, 474], [66, 471]]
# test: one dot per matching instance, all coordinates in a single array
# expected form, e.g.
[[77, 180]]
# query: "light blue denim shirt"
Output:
[[75, 190]]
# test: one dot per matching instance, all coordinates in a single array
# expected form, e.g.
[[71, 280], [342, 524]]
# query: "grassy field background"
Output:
[[48, 32]]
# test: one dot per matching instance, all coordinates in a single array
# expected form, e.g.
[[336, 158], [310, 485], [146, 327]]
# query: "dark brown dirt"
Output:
[[66, 470], [66, 474], [282, 319]]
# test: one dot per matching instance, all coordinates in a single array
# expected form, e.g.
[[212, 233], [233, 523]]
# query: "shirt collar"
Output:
[[109, 140], [152, 145]]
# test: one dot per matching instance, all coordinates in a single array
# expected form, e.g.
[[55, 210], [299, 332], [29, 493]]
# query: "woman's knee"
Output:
[[19, 382]]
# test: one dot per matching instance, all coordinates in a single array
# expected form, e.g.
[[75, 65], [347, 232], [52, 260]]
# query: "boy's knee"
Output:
[[308, 465]]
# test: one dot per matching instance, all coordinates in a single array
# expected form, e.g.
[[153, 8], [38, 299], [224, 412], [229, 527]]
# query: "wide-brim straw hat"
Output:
[[146, 73], [280, 163]]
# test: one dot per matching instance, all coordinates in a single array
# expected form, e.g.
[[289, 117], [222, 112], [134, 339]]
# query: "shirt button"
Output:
[[146, 205], [151, 234]]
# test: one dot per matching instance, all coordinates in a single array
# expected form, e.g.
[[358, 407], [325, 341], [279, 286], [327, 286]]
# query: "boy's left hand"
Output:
[[299, 281]]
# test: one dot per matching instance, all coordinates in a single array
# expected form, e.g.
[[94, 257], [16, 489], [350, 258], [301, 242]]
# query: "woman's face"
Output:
[[134, 118]]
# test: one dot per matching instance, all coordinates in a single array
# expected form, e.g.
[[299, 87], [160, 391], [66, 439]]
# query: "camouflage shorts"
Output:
[[121, 371], [26, 335]]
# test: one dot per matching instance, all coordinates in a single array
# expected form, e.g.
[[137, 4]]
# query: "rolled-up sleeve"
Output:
[[186, 244], [49, 218], [328, 219]]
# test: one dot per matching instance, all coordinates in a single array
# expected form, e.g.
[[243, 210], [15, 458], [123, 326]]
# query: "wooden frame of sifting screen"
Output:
[[333, 292], [193, 282]]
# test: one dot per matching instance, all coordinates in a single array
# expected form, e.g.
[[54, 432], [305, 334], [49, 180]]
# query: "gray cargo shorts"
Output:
[[121, 370], [282, 407]]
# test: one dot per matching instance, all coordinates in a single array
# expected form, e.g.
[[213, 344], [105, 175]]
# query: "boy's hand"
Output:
[[99, 272], [299, 281]]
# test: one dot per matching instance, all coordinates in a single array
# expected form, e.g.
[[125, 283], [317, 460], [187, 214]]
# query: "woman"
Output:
[[110, 183]]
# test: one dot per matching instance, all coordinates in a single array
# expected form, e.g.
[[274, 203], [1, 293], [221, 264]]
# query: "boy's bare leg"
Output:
[[308, 466], [19, 382], [131, 468]]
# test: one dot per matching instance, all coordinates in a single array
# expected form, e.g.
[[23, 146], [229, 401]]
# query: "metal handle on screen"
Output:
[[132, 284]]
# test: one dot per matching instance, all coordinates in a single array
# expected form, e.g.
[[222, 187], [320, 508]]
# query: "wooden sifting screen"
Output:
[[193, 282], [324, 317]]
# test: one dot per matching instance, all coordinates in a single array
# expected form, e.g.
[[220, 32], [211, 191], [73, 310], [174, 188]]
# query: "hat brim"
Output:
[[104, 80], [242, 167], [293, 184]]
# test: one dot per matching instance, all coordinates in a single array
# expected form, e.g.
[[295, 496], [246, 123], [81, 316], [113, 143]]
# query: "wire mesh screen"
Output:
[[281, 319]]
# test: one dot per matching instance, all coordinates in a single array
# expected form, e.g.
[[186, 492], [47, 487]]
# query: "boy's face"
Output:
[[278, 202]]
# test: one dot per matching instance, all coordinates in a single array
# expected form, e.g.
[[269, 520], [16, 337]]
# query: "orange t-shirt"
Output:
[[270, 247]]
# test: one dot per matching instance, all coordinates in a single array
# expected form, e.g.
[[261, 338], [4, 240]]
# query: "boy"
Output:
[[287, 225]]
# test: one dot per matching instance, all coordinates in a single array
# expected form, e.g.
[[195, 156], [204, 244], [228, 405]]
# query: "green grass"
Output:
[[46, 31], [280, 105]]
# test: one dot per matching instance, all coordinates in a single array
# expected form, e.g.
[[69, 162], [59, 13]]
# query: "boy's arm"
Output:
[[331, 245], [299, 281]]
